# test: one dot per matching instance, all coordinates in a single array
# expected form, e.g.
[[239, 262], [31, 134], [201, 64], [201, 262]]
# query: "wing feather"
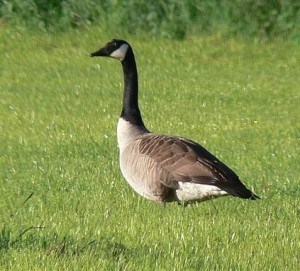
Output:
[[187, 161]]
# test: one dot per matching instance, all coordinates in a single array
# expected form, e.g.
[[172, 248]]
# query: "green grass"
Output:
[[255, 19], [58, 114]]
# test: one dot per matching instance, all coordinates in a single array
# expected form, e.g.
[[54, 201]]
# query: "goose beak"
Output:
[[100, 52]]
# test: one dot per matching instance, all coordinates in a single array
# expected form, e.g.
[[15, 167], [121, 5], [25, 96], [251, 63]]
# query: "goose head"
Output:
[[116, 49]]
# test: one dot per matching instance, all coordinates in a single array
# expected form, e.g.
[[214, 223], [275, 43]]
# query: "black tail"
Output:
[[245, 193], [251, 196], [239, 190]]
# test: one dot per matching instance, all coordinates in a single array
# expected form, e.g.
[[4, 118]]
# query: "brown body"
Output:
[[164, 168]]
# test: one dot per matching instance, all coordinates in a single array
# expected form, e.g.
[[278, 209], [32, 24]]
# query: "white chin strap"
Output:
[[120, 53]]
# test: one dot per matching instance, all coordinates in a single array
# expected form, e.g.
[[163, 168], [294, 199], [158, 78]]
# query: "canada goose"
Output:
[[159, 167]]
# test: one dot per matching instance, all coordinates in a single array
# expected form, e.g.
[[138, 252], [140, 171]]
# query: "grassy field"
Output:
[[63, 202]]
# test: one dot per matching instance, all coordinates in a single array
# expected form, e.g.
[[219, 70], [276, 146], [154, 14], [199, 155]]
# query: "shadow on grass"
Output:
[[114, 254], [15, 237]]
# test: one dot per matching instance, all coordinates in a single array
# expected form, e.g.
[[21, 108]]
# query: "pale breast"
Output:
[[143, 174], [127, 133]]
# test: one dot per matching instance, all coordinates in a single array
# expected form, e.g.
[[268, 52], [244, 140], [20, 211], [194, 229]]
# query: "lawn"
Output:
[[63, 202]]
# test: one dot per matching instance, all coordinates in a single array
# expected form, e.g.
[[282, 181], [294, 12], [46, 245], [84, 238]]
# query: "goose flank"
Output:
[[164, 168]]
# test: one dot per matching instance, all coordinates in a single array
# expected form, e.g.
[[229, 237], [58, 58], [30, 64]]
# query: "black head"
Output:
[[115, 49]]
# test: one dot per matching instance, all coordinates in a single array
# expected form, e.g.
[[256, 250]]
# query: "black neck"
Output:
[[130, 110]]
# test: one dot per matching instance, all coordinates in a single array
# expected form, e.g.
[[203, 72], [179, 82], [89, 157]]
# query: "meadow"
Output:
[[263, 20], [63, 202]]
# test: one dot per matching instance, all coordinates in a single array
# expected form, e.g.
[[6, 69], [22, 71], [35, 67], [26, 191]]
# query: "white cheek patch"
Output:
[[120, 53]]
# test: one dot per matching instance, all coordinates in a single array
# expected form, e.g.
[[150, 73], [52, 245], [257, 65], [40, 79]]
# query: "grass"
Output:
[[64, 204], [263, 20]]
